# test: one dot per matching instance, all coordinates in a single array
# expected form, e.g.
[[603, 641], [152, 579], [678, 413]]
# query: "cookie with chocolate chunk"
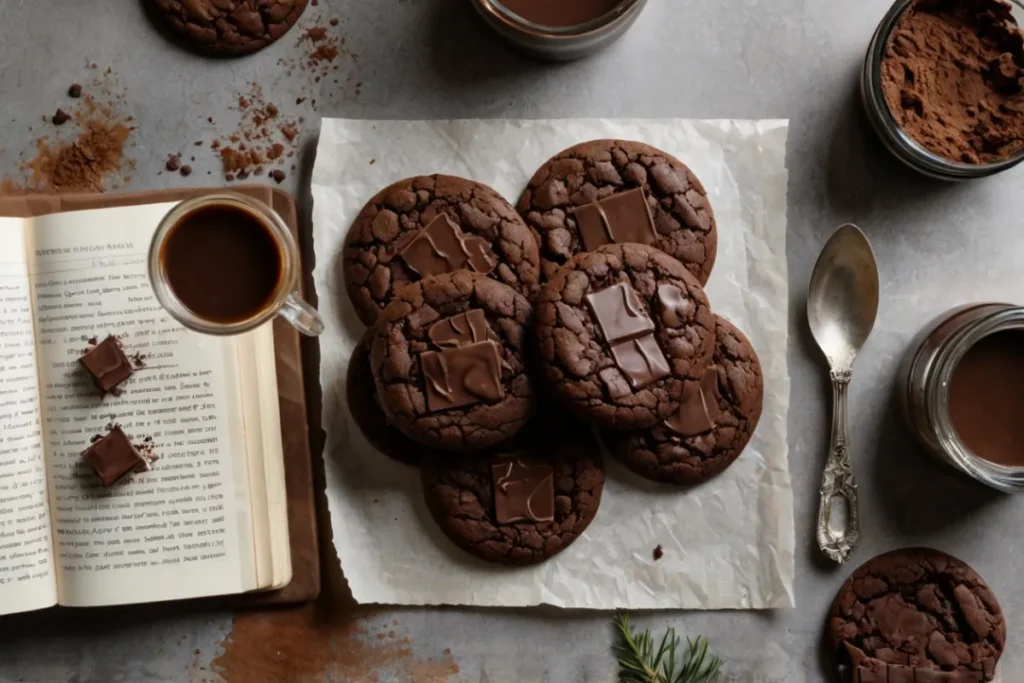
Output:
[[522, 502], [371, 419], [925, 614], [448, 360], [717, 416], [228, 27], [428, 225], [619, 333], [615, 191]]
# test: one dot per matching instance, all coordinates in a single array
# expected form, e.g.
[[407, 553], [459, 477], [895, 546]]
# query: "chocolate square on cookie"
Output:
[[459, 330], [620, 218], [442, 247], [524, 491], [698, 411], [462, 376], [619, 314], [641, 360]]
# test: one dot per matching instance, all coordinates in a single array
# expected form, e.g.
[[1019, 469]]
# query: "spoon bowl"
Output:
[[842, 302]]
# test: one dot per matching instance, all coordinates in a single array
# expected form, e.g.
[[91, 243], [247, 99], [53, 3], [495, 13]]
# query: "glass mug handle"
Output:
[[301, 315]]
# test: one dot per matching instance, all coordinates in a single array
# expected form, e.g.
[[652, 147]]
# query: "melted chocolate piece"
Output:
[[442, 247], [524, 491], [223, 263], [462, 376], [622, 217], [459, 330], [107, 364], [113, 456], [675, 308], [619, 314], [699, 409], [641, 360]]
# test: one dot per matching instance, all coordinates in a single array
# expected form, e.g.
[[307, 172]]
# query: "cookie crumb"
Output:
[[278, 175], [334, 21], [75, 90], [61, 117], [186, 171], [173, 162], [658, 552], [372, 162]]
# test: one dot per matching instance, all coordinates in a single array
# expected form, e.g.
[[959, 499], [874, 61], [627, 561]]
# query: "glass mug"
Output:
[[210, 226]]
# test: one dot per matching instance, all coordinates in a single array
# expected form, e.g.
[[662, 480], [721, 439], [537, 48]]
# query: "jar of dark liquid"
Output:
[[962, 390]]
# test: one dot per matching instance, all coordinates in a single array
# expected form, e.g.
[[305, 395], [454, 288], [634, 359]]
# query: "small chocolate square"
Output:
[[107, 364], [459, 330], [462, 376], [619, 314], [524, 491], [442, 247], [113, 456], [641, 360], [620, 218]]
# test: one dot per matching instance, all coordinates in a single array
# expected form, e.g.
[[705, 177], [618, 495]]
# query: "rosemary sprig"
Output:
[[641, 662]]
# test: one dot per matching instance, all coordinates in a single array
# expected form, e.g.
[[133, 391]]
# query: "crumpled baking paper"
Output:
[[727, 544]]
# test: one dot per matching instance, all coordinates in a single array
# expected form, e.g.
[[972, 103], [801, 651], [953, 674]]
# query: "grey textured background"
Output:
[[937, 245]]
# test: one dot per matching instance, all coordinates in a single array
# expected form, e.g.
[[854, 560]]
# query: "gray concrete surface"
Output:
[[937, 245]]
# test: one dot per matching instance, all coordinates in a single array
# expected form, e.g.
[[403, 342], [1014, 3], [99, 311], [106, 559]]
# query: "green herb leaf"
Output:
[[639, 662]]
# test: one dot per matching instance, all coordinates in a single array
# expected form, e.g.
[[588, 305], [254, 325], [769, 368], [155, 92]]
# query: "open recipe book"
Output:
[[210, 516]]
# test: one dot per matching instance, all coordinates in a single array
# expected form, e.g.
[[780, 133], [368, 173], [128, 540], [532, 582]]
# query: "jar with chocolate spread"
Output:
[[563, 29], [962, 390], [943, 86]]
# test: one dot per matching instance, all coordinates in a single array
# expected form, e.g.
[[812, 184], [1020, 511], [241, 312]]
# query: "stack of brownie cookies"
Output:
[[497, 336]]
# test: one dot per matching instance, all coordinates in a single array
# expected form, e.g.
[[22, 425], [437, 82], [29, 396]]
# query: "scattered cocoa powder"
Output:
[[82, 165], [953, 79]]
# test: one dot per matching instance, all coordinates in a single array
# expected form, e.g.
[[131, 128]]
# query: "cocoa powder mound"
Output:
[[953, 79], [82, 165]]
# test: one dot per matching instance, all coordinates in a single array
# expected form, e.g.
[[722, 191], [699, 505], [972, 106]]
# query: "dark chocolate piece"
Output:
[[462, 376], [459, 330], [620, 218], [641, 360], [107, 364], [442, 247], [699, 409], [524, 491], [618, 314], [113, 456], [675, 308]]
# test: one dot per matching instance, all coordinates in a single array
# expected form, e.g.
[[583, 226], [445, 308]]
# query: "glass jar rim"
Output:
[[913, 151], [948, 359], [498, 9]]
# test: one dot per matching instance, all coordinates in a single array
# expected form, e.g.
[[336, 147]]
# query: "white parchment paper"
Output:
[[727, 544]]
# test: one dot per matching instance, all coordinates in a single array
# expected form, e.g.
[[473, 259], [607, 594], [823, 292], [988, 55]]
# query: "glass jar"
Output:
[[924, 381], [902, 145], [560, 43]]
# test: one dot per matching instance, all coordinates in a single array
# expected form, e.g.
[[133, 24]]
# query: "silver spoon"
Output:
[[842, 301]]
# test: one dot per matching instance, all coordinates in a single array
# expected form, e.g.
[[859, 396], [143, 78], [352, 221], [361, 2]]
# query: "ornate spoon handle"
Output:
[[838, 528]]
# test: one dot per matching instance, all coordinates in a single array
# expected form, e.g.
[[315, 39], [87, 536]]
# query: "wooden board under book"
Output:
[[305, 584]]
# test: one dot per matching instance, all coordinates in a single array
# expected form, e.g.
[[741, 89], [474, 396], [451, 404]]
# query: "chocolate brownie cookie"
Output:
[[361, 393], [522, 502], [619, 332], [716, 418], [228, 27], [447, 357], [607, 191], [920, 612], [429, 225]]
